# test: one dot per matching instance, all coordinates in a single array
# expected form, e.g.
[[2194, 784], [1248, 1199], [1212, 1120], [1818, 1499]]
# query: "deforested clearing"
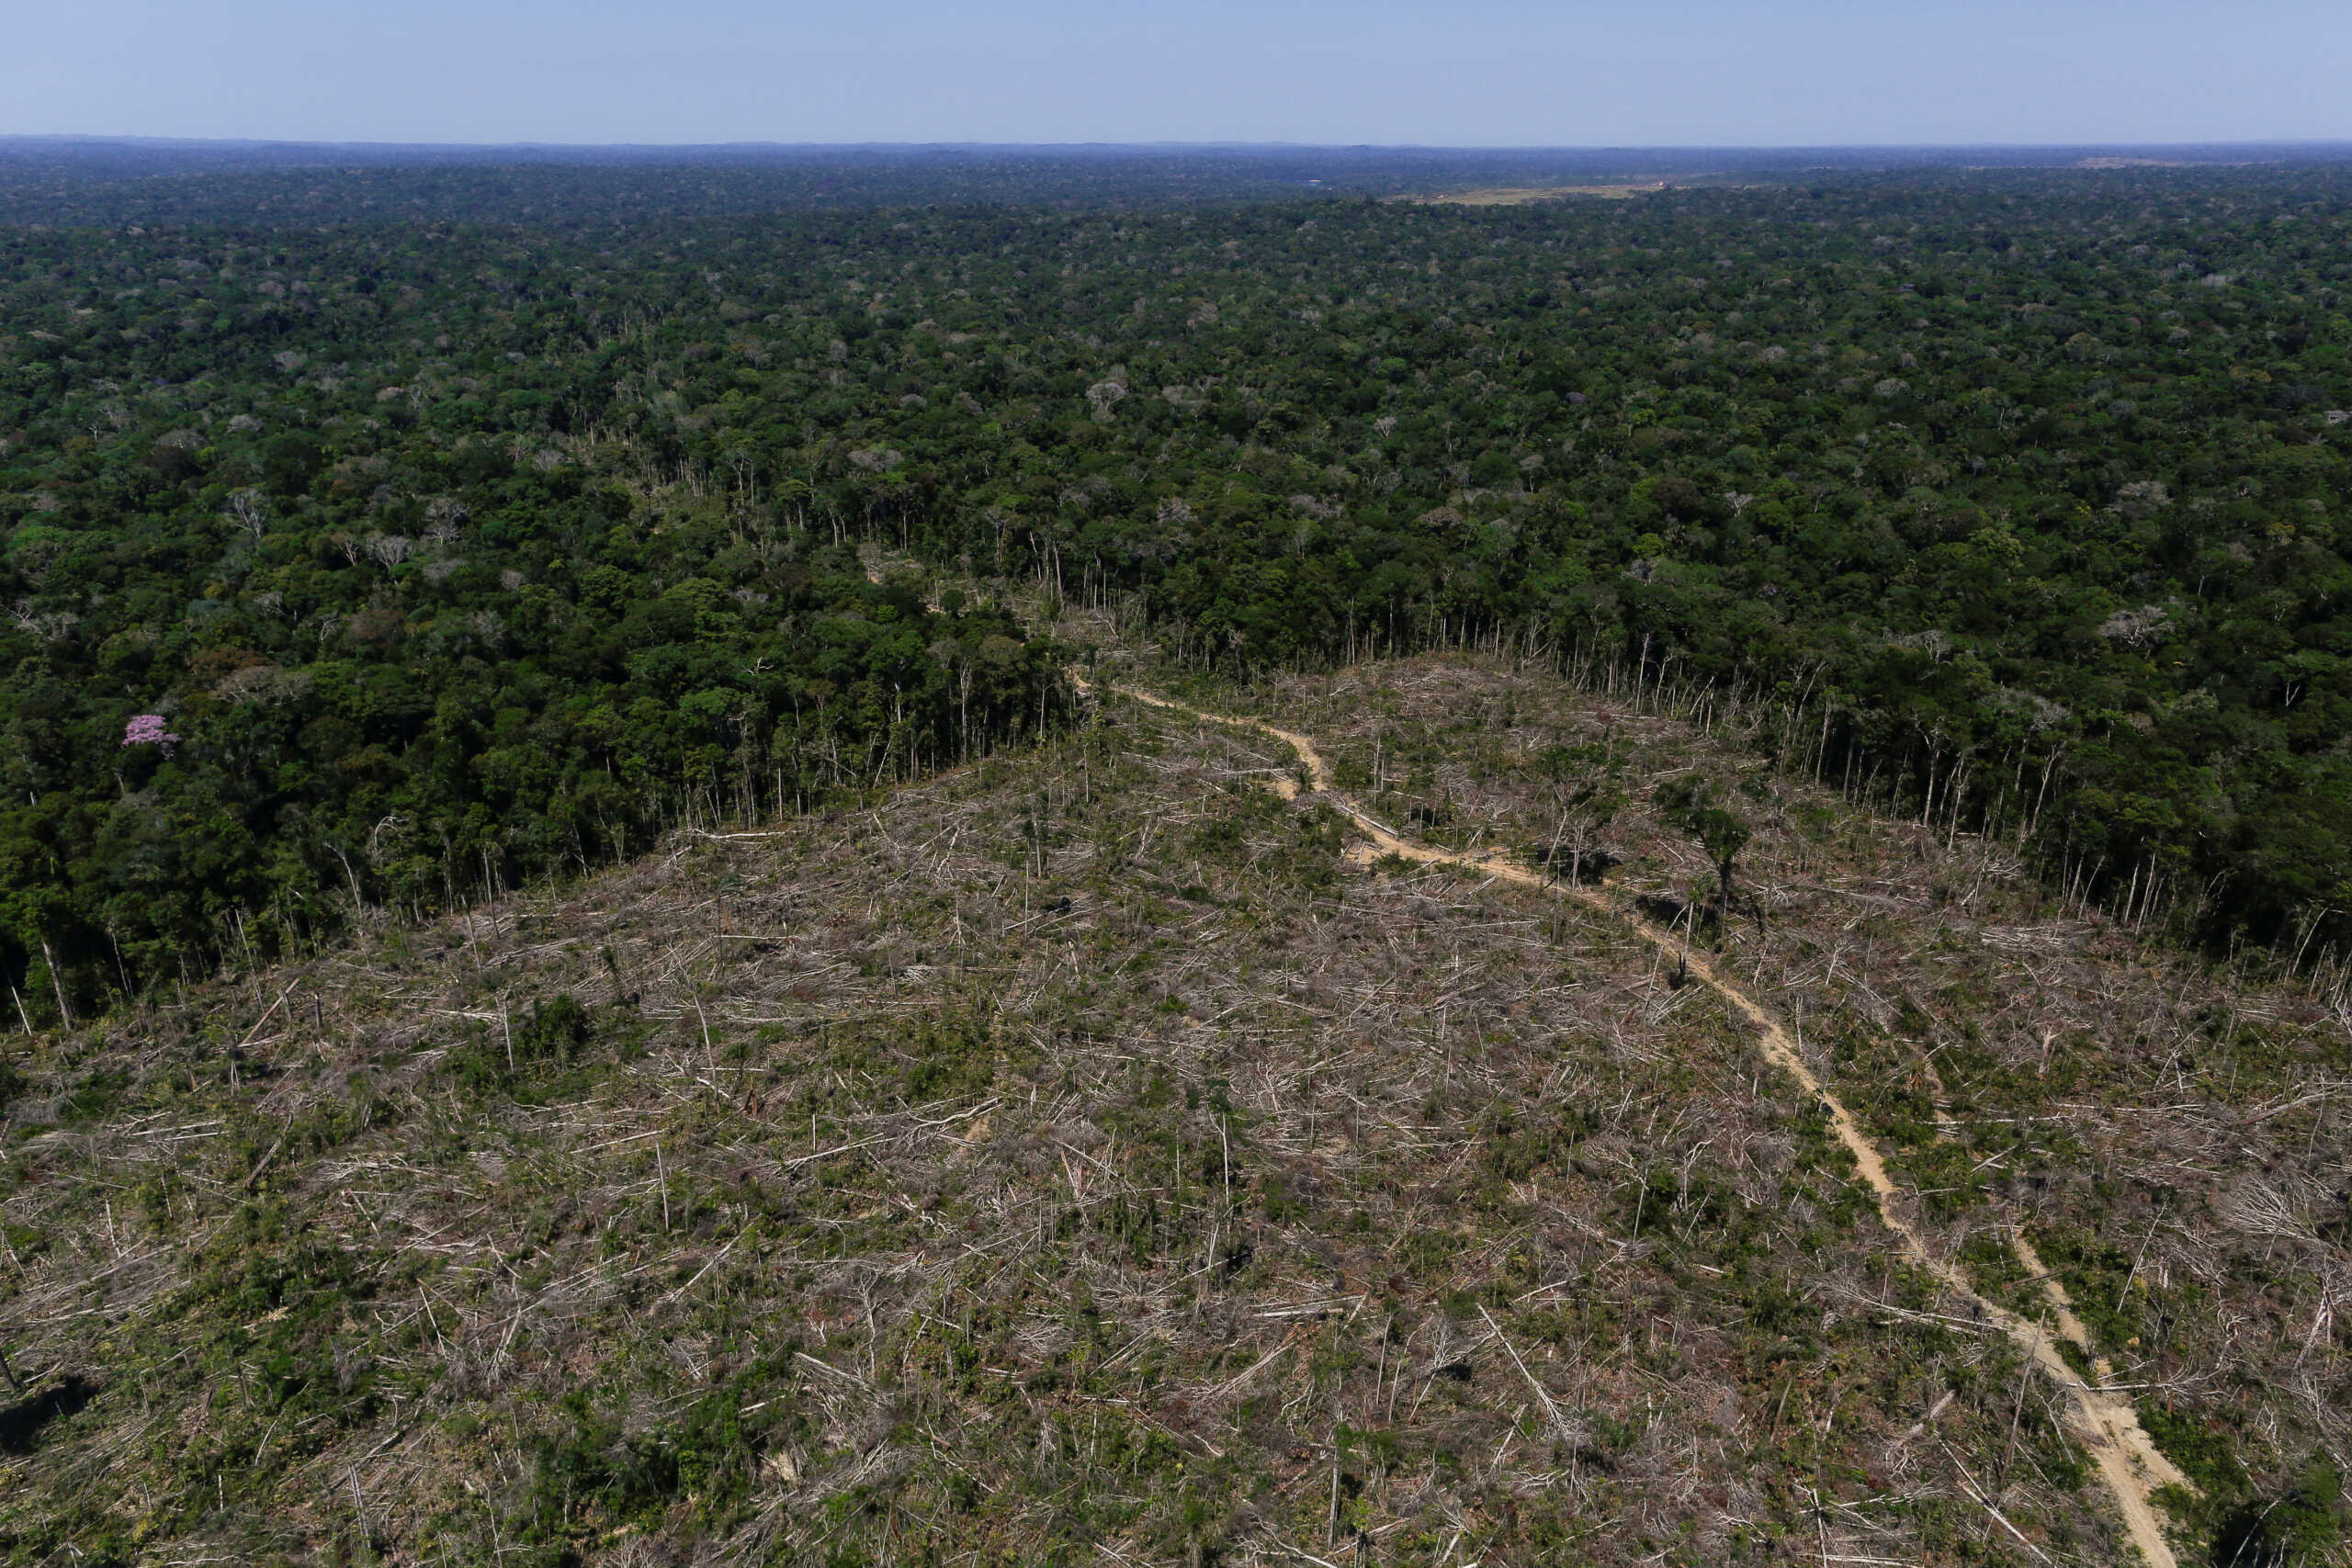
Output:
[[1519, 196], [1157, 1146]]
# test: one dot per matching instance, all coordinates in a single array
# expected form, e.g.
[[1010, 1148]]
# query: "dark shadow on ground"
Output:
[[1593, 867], [21, 1423]]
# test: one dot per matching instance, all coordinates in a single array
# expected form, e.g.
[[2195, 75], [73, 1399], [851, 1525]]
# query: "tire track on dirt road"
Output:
[[2105, 1422]]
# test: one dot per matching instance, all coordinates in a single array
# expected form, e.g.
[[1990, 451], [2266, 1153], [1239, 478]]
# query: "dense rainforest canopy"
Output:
[[377, 553]]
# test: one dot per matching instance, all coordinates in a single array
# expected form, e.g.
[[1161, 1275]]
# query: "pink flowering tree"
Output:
[[148, 729]]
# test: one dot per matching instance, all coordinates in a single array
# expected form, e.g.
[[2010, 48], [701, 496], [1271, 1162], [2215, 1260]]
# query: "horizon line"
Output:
[[1162, 144]]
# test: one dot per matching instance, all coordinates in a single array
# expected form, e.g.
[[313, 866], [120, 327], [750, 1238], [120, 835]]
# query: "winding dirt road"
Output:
[[2104, 1421]]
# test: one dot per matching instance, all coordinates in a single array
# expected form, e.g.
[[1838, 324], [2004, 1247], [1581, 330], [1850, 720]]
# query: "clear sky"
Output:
[[1573, 73]]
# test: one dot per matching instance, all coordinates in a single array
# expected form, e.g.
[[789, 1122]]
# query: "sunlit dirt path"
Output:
[[2104, 1421]]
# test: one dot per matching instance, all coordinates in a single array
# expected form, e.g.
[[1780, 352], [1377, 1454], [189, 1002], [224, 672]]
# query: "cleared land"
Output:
[[1117, 1152], [1513, 195], [2128, 1462]]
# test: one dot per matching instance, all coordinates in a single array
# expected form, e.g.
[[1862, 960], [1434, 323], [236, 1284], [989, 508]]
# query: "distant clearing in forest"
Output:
[[1519, 195]]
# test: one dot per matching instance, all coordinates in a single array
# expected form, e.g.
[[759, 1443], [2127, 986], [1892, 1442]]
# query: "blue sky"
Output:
[[1469, 72]]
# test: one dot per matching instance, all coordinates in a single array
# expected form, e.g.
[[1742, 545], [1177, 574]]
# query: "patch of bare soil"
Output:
[[1518, 195]]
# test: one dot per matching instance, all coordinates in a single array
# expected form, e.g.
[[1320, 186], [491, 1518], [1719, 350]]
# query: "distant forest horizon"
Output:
[[2027, 153]]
